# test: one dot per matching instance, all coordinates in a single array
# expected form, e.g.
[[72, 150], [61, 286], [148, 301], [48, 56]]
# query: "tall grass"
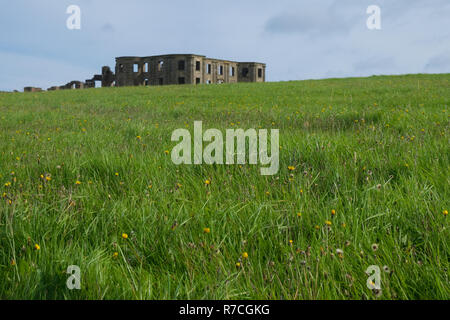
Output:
[[79, 168]]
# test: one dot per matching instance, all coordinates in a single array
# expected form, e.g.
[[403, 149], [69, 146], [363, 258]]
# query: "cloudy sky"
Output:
[[298, 39]]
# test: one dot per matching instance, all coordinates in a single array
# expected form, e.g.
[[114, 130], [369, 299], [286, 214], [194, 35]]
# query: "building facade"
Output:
[[169, 69], [183, 69]]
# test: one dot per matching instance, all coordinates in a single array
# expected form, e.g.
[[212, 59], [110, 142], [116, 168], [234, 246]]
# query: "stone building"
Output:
[[170, 69], [32, 89], [184, 69]]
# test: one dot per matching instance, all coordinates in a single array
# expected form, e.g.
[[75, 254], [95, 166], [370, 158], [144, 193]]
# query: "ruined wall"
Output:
[[170, 69], [251, 72], [184, 69], [107, 77], [157, 70], [32, 89]]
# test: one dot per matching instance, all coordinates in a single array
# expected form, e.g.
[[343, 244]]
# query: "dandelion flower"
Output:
[[124, 236], [333, 212], [445, 212], [37, 247], [115, 254], [77, 182], [166, 151], [116, 174], [328, 222], [207, 182], [245, 255], [206, 230], [291, 242], [299, 214], [238, 264], [291, 168]]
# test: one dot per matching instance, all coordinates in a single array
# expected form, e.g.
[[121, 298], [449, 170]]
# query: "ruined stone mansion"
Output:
[[170, 69]]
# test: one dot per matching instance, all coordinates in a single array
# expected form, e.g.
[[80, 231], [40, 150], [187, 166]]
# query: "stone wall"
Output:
[[251, 72], [32, 89], [170, 69], [184, 69]]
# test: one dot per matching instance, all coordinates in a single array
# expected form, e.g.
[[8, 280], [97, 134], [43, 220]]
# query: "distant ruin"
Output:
[[168, 70], [32, 89]]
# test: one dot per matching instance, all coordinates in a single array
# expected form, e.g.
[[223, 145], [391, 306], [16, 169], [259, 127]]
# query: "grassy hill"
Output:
[[87, 179]]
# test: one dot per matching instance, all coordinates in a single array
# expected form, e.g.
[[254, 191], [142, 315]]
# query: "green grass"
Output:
[[376, 150]]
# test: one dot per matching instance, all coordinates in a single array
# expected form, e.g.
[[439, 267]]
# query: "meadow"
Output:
[[86, 179]]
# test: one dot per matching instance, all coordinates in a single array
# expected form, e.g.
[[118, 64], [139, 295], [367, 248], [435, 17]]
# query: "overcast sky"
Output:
[[298, 39]]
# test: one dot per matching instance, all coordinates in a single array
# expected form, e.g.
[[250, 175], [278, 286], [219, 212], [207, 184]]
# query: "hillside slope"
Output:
[[87, 179]]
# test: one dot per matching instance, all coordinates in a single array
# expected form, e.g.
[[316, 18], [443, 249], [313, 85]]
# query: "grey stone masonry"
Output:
[[184, 69]]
